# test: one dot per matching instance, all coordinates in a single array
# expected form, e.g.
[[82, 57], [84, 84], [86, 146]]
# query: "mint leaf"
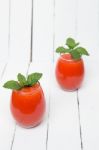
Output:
[[62, 50], [21, 79], [76, 45], [33, 78], [82, 51], [75, 54], [14, 85], [73, 48], [70, 43]]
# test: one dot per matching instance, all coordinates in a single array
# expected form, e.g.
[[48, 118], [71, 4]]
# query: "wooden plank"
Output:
[[65, 21], [88, 25], [89, 102], [20, 27], [88, 34], [43, 30], [63, 119], [4, 29], [64, 132], [35, 138], [7, 124]]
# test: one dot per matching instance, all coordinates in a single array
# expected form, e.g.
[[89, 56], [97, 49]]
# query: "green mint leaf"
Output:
[[33, 78], [82, 51], [76, 44], [62, 50], [14, 85], [75, 54], [73, 48], [21, 79], [70, 43]]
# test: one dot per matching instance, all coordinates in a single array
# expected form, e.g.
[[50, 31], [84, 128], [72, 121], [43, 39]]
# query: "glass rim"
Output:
[[36, 90], [69, 60]]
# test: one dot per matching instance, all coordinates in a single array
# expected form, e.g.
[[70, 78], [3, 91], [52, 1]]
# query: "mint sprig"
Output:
[[62, 50], [31, 80], [21, 79], [71, 43], [82, 51], [14, 85], [72, 48]]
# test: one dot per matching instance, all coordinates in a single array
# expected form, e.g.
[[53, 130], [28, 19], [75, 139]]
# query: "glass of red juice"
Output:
[[69, 72]]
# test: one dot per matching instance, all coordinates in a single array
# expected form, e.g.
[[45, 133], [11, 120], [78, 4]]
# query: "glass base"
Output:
[[28, 127]]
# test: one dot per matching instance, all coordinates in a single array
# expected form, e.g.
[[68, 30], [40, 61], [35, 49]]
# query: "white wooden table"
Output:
[[72, 118]]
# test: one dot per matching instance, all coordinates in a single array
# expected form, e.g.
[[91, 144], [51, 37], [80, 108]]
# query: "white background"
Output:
[[72, 118]]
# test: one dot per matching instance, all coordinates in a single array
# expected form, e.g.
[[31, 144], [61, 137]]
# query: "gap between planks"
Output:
[[48, 124], [79, 116], [78, 102], [32, 25], [53, 61]]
